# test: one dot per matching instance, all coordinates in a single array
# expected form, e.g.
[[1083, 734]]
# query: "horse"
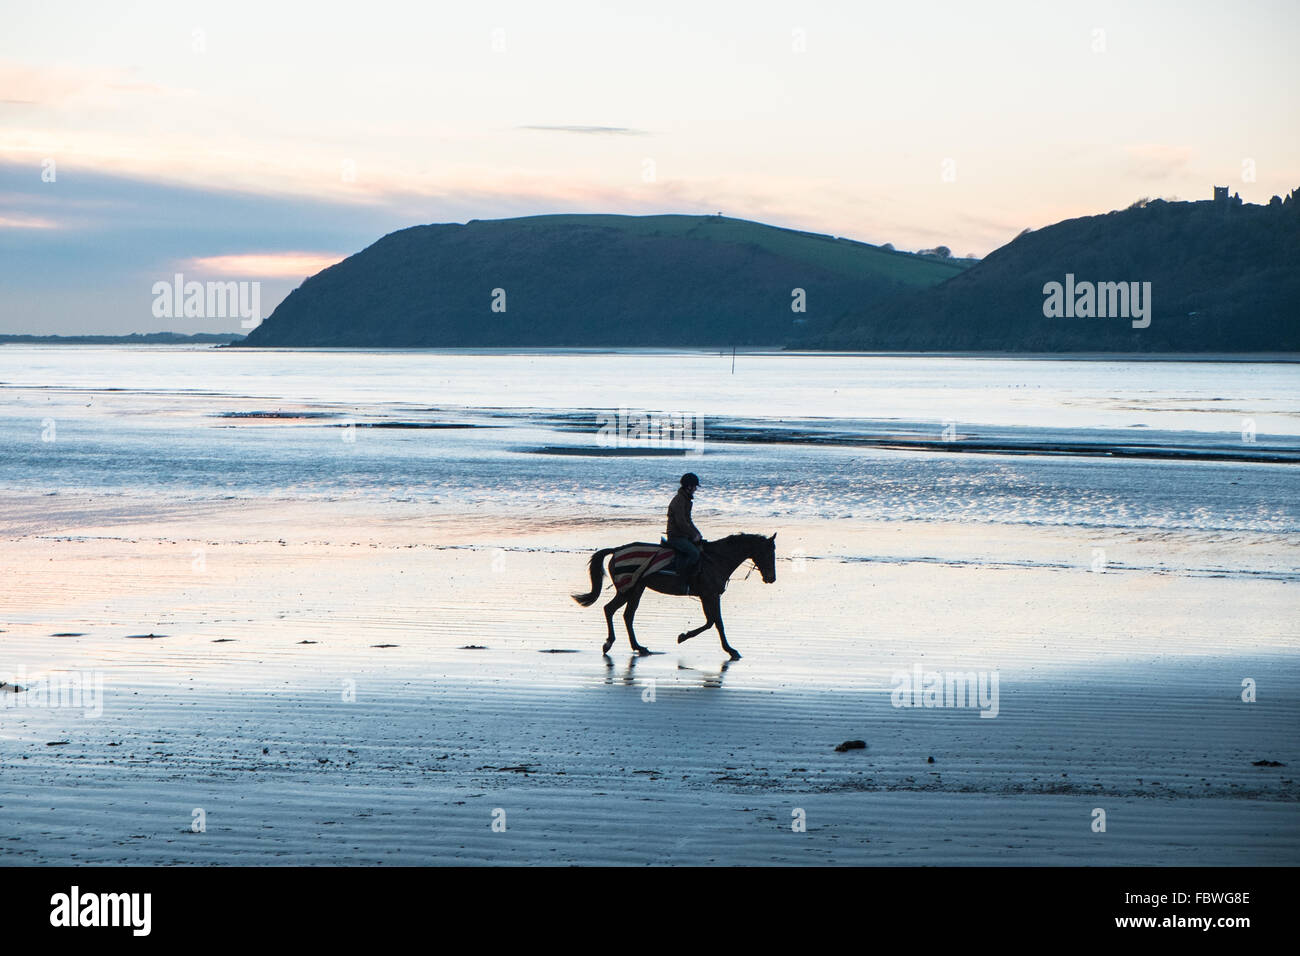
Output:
[[718, 561]]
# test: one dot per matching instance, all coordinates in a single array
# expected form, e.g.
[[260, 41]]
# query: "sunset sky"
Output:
[[262, 141]]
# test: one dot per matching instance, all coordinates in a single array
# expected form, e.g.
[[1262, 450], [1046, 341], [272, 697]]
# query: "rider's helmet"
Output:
[[690, 480]]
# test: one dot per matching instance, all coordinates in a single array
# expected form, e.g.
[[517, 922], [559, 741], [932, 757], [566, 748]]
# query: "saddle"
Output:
[[672, 569], [705, 562]]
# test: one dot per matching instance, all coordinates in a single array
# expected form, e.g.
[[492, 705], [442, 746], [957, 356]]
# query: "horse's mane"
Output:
[[710, 570], [735, 537]]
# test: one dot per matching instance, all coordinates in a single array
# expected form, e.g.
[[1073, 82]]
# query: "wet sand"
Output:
[[358, 682]]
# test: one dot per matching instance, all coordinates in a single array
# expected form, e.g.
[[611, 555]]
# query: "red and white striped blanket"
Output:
[[633, 562]]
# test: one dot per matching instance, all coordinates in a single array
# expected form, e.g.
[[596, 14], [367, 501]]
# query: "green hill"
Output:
[[592, 280], [1223, 278]]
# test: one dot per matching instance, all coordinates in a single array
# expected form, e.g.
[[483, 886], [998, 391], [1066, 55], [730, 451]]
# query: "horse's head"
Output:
[[765, 557]]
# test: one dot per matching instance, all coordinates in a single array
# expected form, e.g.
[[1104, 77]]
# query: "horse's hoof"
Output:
[[681, 637], [643, 651], [735, 656]]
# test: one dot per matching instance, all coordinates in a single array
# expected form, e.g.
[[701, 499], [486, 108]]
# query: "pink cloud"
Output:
[[270, 265], [25, 222]]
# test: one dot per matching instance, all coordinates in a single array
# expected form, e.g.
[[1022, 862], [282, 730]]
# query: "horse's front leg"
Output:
[[618, 601], [708, 623], [634, 598], [714, 610]]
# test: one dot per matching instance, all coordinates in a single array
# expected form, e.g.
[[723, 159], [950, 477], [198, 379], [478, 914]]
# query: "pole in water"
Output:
[[733, 360]]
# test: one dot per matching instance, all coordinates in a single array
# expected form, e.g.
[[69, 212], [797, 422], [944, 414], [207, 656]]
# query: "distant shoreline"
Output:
[[223, 339], [135, 338], [1283, 357]]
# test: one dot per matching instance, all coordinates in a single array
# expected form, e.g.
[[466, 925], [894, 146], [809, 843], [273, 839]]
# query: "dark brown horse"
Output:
[[718, 560]]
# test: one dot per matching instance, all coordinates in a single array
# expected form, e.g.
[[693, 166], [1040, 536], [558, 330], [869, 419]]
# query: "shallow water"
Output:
[[1208, 397], [785, 436]]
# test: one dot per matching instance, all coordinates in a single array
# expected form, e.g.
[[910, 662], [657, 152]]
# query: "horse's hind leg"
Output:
[[633, 600], [618, 601], [714, 610]]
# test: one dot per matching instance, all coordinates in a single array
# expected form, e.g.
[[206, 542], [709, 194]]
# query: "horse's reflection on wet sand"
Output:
[[699, 677]]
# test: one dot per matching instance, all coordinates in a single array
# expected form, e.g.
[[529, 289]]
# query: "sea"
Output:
[[1199, 445]]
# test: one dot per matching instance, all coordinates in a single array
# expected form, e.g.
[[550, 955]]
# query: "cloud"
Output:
[[66, 86], [25, 222], [278, 265], [590, 130]]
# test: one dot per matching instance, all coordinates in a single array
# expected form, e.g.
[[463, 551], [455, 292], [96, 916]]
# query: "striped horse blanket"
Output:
[[633, 562]]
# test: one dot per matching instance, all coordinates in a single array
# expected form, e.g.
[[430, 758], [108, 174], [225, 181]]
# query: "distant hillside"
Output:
[[592, 280], [1225, 277]]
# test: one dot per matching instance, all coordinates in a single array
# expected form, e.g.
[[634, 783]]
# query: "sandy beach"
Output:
[[378, 682]]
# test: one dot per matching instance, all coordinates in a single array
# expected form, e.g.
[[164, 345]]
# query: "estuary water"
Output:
[[1209, 446]]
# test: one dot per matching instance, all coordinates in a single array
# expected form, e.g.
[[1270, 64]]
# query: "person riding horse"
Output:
[[640, 566], [682, 535]]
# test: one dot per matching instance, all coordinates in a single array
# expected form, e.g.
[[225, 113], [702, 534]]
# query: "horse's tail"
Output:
[[597, 568]]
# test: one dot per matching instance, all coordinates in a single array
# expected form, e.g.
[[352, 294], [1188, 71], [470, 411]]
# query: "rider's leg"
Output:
[[688, 559], [688, 555]]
